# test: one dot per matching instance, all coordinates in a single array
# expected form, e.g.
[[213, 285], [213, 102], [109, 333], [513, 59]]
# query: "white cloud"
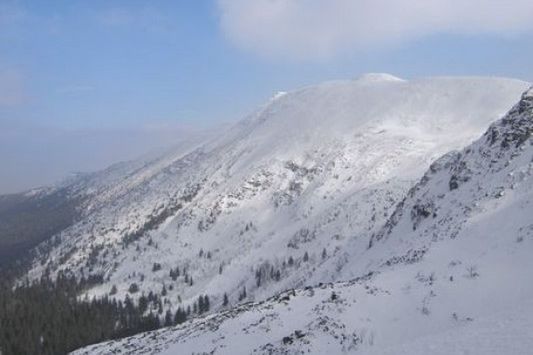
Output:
[[318, 29]]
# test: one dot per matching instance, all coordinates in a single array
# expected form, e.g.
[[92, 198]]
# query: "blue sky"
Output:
[[173, 66]]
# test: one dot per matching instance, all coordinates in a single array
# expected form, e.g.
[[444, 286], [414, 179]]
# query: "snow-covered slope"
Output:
[[286, 198], [29, 218], [448, 273]]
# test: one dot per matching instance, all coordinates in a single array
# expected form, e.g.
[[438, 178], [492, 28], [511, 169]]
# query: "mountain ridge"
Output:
[[448, 272], [288, 197], [248, 163]]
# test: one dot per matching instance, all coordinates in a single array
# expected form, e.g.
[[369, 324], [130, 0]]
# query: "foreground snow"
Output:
[[508, 331]]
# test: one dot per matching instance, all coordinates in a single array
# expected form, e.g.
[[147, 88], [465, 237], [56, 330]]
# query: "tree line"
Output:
[[47, 317]]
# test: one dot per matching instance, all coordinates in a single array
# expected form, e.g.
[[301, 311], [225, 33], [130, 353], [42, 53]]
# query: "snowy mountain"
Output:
[[288, 197], [447, 272], [28, 218]]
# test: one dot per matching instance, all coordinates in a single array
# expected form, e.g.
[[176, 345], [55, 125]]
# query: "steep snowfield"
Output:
[[288, 197], [448, 273]]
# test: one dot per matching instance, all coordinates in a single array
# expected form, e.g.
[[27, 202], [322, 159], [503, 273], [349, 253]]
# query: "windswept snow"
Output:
[[377, 77]]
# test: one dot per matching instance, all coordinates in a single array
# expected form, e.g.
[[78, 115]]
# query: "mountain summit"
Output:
[[376, 77]]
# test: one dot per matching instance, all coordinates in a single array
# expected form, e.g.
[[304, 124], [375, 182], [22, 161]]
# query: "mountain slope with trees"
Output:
[[449, 272]]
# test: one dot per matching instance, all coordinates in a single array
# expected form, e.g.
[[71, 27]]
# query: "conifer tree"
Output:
[[226, 301]]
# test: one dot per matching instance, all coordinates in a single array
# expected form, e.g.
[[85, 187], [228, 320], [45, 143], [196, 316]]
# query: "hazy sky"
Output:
[[86, 83]]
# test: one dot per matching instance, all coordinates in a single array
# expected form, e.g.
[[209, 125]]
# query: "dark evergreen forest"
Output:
[[47, 317]]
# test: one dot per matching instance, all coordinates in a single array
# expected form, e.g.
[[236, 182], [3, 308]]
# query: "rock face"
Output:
[[288, 197], [448, 272]]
